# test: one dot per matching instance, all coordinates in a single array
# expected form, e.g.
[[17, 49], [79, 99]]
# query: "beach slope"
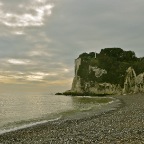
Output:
[[124, 125]]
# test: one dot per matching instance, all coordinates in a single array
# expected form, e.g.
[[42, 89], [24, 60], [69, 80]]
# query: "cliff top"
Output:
[[117, 53]]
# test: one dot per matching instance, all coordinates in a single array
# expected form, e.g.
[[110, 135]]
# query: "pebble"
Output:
[[122, 126]]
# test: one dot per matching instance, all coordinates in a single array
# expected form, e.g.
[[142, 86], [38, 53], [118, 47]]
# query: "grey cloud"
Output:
[[74, 27], [105, 23], [18, 15]]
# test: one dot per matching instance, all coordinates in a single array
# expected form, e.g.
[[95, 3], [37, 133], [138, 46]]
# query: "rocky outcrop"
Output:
[[76, 85], [139, 83], [111, 72], [130, 81], [98, 71], [133, 83], [105, 88]]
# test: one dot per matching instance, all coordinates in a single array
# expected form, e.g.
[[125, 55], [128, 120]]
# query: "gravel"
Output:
[[122, 126]]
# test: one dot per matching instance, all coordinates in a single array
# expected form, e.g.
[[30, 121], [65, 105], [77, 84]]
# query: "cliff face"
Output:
[[133, 83], [140, 83], [79, 85], [112, 71], [130, 81], [76, 85]]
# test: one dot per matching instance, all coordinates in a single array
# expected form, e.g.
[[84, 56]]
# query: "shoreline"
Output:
[[122, 125], [70, 114]]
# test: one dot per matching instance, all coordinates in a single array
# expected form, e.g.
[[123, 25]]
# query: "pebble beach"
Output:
[[123, 125]]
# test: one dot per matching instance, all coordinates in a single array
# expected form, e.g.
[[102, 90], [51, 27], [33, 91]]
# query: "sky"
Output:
[[40, 39]]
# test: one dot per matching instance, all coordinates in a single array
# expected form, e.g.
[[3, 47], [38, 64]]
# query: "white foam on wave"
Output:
[[27, 125]]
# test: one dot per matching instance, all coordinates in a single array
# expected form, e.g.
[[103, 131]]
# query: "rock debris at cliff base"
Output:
[[123, 126]]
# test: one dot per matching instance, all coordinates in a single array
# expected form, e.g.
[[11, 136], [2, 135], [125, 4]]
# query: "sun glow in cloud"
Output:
[[38, 76], [34, 77], [18, 62], [20, 77], [43, 74], [39, 53], [19, 33], [66, 70], [41, 1]]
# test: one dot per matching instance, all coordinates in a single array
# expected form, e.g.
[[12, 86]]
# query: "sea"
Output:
[[22, 110]]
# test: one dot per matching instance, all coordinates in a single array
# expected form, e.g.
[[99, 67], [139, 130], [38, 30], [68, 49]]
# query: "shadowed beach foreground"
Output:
[[124, 125]]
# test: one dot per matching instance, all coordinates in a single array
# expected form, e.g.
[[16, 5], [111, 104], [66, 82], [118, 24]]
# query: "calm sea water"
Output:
[[24, 110]]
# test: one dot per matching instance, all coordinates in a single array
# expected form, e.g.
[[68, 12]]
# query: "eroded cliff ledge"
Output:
[[112, 71]]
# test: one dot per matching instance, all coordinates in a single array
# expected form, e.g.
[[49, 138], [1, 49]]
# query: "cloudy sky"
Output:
[[39, 39]]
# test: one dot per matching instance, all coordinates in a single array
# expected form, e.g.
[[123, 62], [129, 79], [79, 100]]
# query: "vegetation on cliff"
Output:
[[114, 60]]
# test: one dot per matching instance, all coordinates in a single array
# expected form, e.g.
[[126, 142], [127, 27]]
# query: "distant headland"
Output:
[[112, 71]]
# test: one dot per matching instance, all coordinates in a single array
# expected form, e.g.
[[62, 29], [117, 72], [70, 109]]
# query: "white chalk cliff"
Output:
[[112, 71], [98, 88]]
